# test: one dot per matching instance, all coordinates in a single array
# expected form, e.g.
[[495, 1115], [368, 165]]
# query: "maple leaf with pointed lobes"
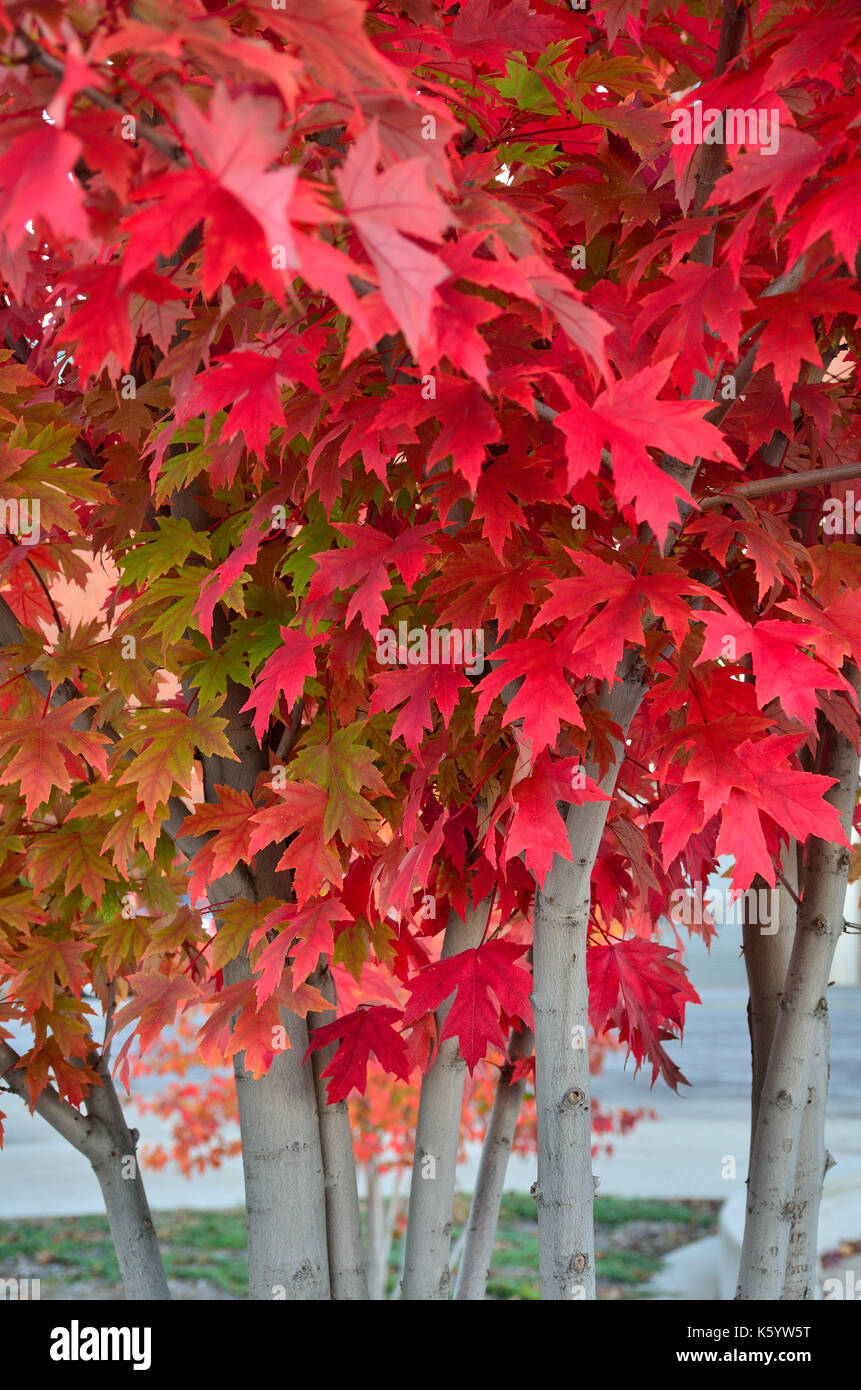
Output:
[[680, 813], [365, 563], [249, 382], [637, 987], [835, 631], [486, 980], [152, 1007], [696, 296], [489, 31], [100, 326], [626, 597], [398, 873], [537, 830], [343, 767], [243, 203], [230, 818], [47, 748], [835, 212], [468, 427], [581, 324], [743, 781], [77, 851], [306, 935], [238, 1023], [544, 699], [217, 583], [42, 965], [152, 554], [792, 799], [494, 505], [170, 738], [788, 338], [283, 675], [368, 1030], [417, 685], [386, 209], [36, 181], [332, 40], [783, 672], [712, 760], [300, 814], [798, 158], [72, 1076], [627, 416]]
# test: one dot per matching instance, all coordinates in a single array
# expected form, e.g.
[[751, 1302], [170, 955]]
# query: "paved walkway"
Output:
[[688, 1152]]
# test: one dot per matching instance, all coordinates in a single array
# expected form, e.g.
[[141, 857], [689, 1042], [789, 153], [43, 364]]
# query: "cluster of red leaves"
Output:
[[309, 270]]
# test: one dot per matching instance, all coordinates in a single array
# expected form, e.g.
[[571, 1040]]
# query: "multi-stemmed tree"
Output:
[[449, 395]]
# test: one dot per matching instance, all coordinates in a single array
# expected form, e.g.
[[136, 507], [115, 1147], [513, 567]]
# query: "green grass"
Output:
[[616, 1211], [210, 1246]]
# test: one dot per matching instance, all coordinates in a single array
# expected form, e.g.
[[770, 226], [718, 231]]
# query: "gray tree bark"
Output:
[[766, 960], [104, 1138], [427, 1276], [347, 1272], [490, 1182], [813, 1163], [564, 1191], [283, 1169], [281, 1155], [771, 1186], [376, 1235]]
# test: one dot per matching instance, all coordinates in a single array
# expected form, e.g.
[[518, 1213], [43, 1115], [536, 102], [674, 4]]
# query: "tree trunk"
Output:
[[428, 1239], [813, 1163], [115, 1164], [281, 1157], [564, 1192], [104, 1138], [490, 1182], [347, 1271], [766, 960], [771, 1187], [376, 1235], [283, 1168]]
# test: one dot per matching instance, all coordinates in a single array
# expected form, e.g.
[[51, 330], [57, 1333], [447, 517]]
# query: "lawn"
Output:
[[204, 1252]]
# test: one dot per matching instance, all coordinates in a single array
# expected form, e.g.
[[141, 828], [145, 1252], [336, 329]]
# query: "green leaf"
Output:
[[156, 552]]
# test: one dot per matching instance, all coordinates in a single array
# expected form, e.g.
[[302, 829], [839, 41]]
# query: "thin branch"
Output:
[[788, 886], [291, 733], [37, 54], [785, 482], [80, 1130]]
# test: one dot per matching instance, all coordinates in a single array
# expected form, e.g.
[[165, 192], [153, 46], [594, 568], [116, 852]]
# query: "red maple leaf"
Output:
[[365, 563], [637, 987], [544, 699], [284, 674], [626, 417], [242, 201], [486, 980], [783, 672], [153, 1006], [537, 830], [48, 749], [387, 209], [307, 935], [299, 818], [417, 685], [366, 1031], [230, 818], [36, 181]]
